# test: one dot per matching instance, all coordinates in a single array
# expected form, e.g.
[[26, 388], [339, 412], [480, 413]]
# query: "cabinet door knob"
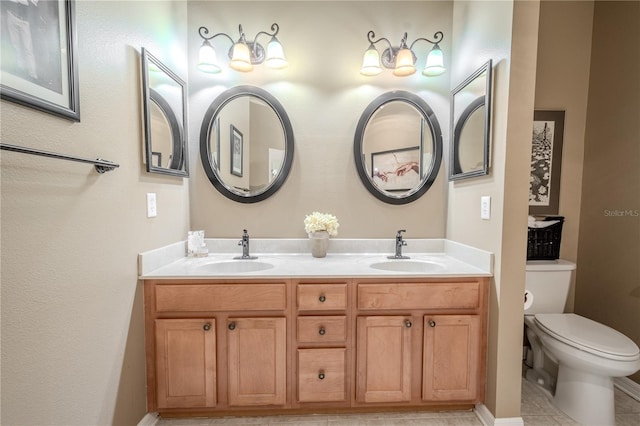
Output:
[[322, 331], [407, 323], [432, 323], [322, 298], [207, 326], [321, 375], [232, 325]]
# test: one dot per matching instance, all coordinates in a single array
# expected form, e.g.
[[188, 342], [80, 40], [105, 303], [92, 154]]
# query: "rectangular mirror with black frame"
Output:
[[165, 116], [471, 125]]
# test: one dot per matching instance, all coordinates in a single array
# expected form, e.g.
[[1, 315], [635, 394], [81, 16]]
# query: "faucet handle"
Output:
[[245, 237]]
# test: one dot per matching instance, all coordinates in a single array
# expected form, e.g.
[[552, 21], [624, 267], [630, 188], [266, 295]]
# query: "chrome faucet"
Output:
[[399, 243], [244, 242]]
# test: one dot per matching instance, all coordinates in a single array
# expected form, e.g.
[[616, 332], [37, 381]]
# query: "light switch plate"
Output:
[[485, 207], [152, 207]]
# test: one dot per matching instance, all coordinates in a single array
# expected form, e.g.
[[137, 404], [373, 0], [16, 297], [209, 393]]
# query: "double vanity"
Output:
[[286, 332]]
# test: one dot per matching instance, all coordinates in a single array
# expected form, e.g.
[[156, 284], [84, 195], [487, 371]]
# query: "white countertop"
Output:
[[288, 259]]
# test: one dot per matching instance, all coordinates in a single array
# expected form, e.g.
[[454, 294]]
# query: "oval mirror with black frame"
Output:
[[398, 147], [165, 115], [471, 125], [246, 144]]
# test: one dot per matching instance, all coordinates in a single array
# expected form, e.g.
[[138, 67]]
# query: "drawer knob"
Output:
[[407, 323], [322, 331], [322, 298], [207, 326], [432, 323], [321, 375], [232, 325]]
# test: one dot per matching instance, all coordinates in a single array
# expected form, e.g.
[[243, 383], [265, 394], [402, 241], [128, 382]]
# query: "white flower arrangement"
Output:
[[317, 221]]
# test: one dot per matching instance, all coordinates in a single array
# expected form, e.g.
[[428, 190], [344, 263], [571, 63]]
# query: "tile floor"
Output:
[[536, 410]]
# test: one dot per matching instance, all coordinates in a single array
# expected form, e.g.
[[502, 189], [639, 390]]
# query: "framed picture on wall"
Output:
[[546, 162], [396, 170], [236, 151], [38, 65]]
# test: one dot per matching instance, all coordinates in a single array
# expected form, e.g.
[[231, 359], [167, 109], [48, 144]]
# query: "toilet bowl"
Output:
[[588, 354]]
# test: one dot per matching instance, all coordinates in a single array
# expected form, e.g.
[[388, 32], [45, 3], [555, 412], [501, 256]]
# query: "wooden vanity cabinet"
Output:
[[421, 341], [216, 345], [318, 345], [322, 340]]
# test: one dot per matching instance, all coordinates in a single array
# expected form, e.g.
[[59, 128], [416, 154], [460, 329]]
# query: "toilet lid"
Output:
[[588, 335]]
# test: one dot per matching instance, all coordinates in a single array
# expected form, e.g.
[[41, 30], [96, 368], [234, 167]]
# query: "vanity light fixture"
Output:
[[243, 54], [402, 59]]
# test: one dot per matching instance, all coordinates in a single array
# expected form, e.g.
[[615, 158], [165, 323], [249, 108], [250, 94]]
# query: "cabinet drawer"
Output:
[[322, 329], [321, 375], [322, 297], [220, 297], [461, 295]]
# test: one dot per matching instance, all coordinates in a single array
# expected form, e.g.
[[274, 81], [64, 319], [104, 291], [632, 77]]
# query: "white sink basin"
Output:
[[233, 267], [403, 265]]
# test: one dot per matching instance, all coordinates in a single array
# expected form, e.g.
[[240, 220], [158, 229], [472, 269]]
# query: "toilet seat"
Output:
[[589, 336]]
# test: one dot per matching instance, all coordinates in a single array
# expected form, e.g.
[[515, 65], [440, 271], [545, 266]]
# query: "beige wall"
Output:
[[72, 326], [507, 33], [324, 96], [562, 83], [608, 273]]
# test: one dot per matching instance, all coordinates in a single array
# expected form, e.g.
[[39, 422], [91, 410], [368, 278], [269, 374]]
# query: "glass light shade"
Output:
[[275, 55], [435, 63], [404, 63], [207, 59], [371, 62], [241, 58]]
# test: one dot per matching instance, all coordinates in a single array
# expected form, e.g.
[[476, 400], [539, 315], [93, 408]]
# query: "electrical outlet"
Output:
[[152, 206], [485, 207]]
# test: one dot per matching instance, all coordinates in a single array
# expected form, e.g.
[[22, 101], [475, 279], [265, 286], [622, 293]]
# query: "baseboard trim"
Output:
[[482, 412], [150, 419], [628, 386], [487, 418]]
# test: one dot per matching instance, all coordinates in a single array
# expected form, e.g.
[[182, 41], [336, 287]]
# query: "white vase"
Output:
[[319, 241]]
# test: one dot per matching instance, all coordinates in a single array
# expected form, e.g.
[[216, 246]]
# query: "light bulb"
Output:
[[404, 63], [435, 63], [241, 57], [371, 62], [275, 55], [207, 59]]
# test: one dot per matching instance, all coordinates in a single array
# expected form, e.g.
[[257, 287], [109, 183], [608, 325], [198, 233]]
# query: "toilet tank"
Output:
[[547, 286]]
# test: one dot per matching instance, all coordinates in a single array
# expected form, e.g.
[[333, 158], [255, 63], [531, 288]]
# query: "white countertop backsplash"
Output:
[[291, 258]]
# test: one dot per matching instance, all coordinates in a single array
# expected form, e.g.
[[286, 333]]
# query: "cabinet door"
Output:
[[451, 357], [384, 359], [257, 361], [186, 363]]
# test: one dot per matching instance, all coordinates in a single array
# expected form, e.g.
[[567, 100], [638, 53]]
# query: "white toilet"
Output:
[[589, 354]]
